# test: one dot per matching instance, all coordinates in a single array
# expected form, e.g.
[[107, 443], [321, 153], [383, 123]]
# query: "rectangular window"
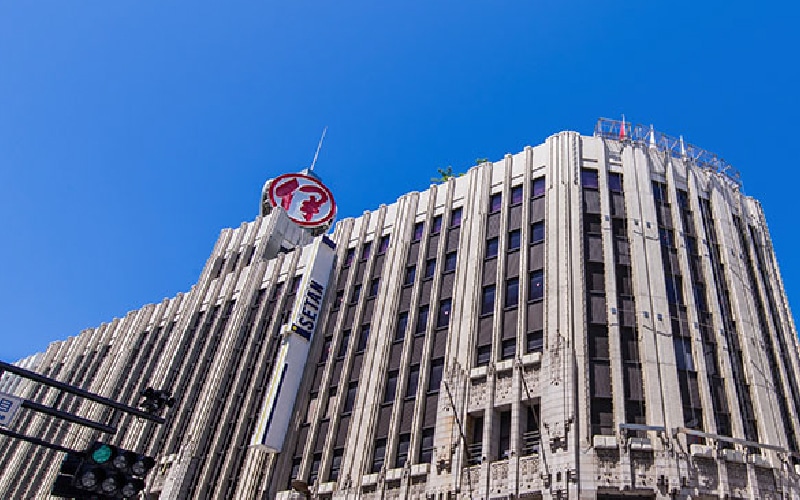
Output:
[[435, 379], [365, 250], [326, 349], [413, 382], [419, 228], [495, 203], [504, 441], [615, 182], [296, 283], [344, 344], [516, 195], [509, 349], [350, 399], [455, 217], [363, 338], [683, 200], [589, 179], [537, 232], [436, 227], [426, 446], [450, 262], [535, 341], [492, 245], [317, 460], [430, 268], [475, 434], [336, 464], [443, 319], [538, 187], [403, 444], [391, 387], [373, 286], [483, 355], [349, 256], [487, 299], [402, 323], [683, 353], [378, 455], [356, 293], [536, 286], [514, 239], [422, 320], [531, 438], [512, 292], [660, 192], [337, 300], [411, 274], [384, 244]]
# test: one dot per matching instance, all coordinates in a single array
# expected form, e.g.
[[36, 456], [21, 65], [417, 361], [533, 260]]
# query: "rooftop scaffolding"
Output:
[[676, 147]]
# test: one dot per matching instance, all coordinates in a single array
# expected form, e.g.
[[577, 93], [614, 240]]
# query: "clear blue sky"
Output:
[[132, 132]]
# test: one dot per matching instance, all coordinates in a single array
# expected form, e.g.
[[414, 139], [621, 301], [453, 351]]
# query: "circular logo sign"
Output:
[[307, 201]]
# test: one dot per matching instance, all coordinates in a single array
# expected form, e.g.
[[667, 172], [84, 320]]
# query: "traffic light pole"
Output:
[[36, 441], [16, 370]]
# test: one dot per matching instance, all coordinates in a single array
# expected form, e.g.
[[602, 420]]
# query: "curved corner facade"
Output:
[[588, 318]]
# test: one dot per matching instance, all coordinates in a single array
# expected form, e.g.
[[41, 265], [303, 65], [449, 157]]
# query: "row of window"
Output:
[[535, 292], [537, 191]]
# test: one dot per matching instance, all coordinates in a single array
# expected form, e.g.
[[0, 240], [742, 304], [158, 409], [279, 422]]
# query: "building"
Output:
[[593, 317]]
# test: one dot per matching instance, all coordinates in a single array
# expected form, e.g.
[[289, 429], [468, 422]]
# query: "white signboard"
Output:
[[8, 408], [293, 352]]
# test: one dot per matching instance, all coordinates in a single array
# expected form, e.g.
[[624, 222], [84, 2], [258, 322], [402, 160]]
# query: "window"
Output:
[[337, 300], [378, 455], [487, 299], [312, 477], [450, 262], [615, 182], [455, 217], [538, 187], [666, 237], [426, 446], [356, 293], [419, 227], [436, 228], [402, 323], [674, 289], [683, 353], [537, 232], [535, 341], [411, 274], [483, 355], [492, 245], [343, 345], [384, 244], [509, 349], [435, 379], [531, 438], [683, 199], [430, 268], [589, 179], [296, 283], [391, 387], [373, 287], [475, 446], [350, 399], [296, 461], [514, 239], [413, 382], [326, 349], [365, 250], [536, 288], [422, 320], [516, 195], [349, 256], [403, 444], [336, 464], [363, 338], [504, 441], [660, 192], [512, 292], [443, 319], [495, 202]]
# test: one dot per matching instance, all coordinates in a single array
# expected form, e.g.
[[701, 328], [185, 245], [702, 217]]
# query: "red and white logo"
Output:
[[307, 201]]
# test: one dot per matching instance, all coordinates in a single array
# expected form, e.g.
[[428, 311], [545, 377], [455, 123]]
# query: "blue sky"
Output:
[[132, 132]]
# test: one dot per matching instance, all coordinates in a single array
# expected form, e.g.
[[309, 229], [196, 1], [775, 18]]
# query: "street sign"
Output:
[[8, 408]]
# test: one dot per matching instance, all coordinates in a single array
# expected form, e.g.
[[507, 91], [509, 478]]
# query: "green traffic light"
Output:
[[102, 454]]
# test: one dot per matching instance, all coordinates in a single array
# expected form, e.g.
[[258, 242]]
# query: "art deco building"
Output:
[[593, 317]]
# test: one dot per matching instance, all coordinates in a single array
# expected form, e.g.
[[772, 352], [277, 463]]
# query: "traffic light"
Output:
[[102, 471], [153, 401]]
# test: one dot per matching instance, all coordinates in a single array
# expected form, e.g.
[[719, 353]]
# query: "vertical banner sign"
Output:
[[290, 362], [8, 408]]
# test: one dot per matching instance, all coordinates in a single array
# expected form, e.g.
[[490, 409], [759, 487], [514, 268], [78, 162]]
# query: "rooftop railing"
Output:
[[675, 146]]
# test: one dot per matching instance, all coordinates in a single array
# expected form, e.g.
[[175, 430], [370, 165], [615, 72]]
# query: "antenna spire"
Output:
[[319, 146]]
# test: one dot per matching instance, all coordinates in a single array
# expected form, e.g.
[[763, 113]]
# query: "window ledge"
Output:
[[534, 358], [478, 372], [394, 474], [325, 488], [369, 479], [504, 365], [420, 469]]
